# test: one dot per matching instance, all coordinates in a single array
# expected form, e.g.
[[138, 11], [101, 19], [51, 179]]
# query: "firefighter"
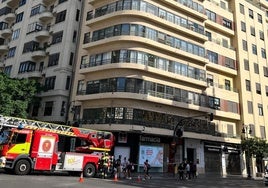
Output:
[[105, 164]]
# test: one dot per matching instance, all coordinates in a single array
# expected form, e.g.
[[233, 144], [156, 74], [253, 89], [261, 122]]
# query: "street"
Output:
[[158, 181]]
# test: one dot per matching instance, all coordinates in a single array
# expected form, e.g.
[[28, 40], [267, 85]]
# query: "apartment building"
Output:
[[38, 40], [147, 66]]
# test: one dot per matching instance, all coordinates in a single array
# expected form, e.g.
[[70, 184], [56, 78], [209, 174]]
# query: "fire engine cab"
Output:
[[28, 145]]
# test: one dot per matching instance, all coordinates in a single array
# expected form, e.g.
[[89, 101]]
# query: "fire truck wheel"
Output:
[[89, 170], [22, 167]]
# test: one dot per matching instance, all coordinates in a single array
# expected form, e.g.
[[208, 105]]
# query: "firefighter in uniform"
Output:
[[105, 165]]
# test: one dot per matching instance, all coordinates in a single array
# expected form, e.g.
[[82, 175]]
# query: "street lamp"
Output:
[[246, 131]]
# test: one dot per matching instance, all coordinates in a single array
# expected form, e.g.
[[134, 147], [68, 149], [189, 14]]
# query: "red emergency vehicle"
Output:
[[28, 145]]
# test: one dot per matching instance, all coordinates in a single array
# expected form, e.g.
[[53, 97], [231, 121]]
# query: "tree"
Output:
[[255, 146], [16, 95]]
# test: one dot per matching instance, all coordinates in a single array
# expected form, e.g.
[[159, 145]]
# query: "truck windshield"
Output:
[[4, 136]]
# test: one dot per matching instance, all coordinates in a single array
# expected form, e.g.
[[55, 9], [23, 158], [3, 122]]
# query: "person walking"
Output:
[[188, 171], [181, 171], [124, 167], [129, 169], [118, 166], [146, 168]]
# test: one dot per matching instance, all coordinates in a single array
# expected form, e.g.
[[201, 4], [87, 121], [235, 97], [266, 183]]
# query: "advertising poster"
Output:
[[154, 154]]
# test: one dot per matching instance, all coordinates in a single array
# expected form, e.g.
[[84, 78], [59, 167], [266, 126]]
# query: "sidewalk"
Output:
[[161, 175]]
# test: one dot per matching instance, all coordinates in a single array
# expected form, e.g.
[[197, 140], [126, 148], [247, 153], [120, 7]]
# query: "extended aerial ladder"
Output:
[[96, 140]]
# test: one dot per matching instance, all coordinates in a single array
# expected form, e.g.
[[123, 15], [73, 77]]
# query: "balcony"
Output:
[[3, 48], [33, 74], [5, 32], [40, 35], [12, 3], [48, 2], [10, 17], [39, 53], [45, 16]]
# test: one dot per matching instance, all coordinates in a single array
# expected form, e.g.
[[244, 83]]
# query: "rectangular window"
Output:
[[250, 107], [254, 49], [60, 17], [242, 9], [261, 35], [77, 15], [252, 31], [263, 133], [266, 91], [260, 109], [256, 68], [250, 13], [11, 52], [243, 26], [230, 130], [265, 71], [263, 53], [245, 45], [248, 87], [227, 85], [50, 83], [259, 18], [246, 64], [19, 17], [48, 108], [68, 82], [258, 88], [53, 59], [57, 37], [71, 58], [15, 34]]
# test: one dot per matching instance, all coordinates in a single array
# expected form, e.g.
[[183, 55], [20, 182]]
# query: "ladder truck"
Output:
[[28, 145]]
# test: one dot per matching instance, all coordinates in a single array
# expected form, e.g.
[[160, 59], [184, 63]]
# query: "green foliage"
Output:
[[16, 95], [255, 146]]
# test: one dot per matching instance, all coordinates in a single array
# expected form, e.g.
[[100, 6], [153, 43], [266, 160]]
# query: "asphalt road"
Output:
[[158, 181]]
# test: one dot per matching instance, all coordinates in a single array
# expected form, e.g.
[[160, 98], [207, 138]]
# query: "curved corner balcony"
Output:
[[40, 35], [39, 53], [10, 17], [32, 74], [5, 32], [45, 16], [3, 48], [12, 3], [48, 2]]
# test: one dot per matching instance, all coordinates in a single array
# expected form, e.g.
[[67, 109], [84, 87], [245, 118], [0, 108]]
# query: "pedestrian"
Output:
[[194, 169], [129, 169], [146, 168], [181, 171], [124, 167], [188, 171], [118, 166]]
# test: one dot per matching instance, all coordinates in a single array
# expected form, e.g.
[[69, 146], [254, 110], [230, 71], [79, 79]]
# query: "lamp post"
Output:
[[246, 131]]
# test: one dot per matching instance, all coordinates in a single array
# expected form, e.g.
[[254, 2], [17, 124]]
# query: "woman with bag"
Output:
[[146, 168]]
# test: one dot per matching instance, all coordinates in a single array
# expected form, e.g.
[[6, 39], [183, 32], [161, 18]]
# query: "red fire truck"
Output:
[[28, 145]]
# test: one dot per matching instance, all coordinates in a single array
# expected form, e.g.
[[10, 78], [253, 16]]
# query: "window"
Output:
[[245, 45], [61, 1], [246, 64], [256, 68], [71, 58], [263, 53], [227, 23], [248, 87], [50, 83], [230, 130], [261, 35], [227, 85], [260, 109], [11, 52], [259, 18], [250, 107], [265, 71], [57, 37], [48, 108], [68, 81], [211, 15], [53, 59], [252, 31], [63, 108], [262, 130], [266, 91], [15, 34], [250, 13], [19, 17], [241, 8], [74, 36], [60, 17], [243, 26], [254, 49], [258, 88], [77, 15]]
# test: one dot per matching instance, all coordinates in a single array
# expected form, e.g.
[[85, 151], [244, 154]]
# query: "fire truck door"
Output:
[[45, 153]]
